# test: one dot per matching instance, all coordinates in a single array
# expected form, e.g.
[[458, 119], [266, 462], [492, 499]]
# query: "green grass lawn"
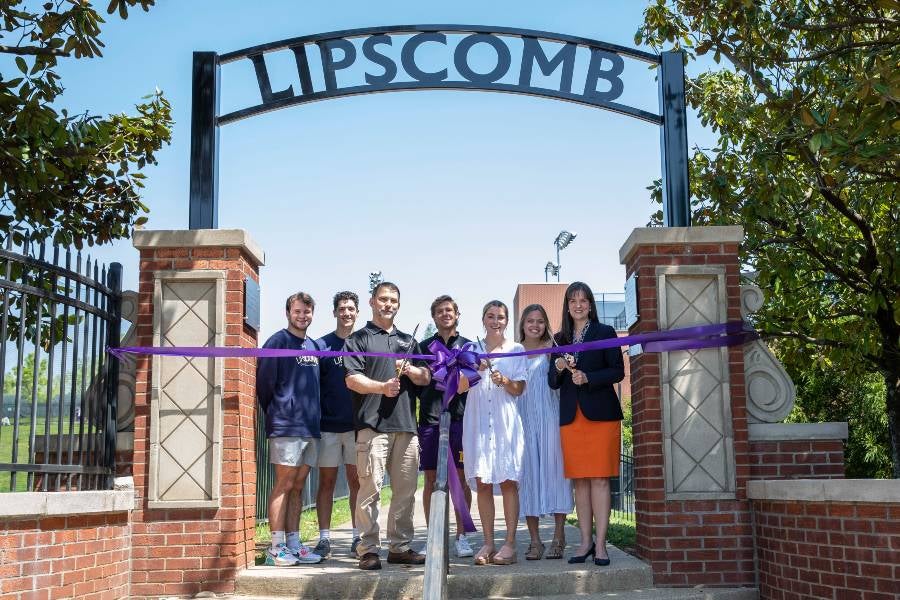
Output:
[[621, 532], [6, 446]]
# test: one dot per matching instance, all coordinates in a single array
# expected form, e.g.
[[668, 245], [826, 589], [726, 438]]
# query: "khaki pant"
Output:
[[399, 452]]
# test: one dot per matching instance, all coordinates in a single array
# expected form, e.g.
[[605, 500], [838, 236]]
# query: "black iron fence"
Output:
[[58, 421], [622, 487]]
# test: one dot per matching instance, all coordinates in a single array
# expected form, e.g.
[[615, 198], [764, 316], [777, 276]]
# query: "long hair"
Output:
[[568, 324], [529, 309]]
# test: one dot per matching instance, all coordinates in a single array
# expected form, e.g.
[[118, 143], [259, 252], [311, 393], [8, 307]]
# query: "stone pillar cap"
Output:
[[650, 236], [199, 238]]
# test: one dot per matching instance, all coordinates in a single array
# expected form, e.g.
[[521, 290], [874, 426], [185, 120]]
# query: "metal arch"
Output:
[[205, 119], [308, 95], [399, 86], [401, 29]]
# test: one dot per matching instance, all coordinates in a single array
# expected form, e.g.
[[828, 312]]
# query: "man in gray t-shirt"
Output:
[[385, 422]]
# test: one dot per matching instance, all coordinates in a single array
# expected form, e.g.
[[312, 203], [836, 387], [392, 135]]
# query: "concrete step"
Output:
[[636, 594], [339, 577]]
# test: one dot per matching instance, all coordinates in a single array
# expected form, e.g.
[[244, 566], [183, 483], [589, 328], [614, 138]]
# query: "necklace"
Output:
[[579, 337]]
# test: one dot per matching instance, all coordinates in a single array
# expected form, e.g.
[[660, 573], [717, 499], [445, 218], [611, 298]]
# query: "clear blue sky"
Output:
[[443, 191]]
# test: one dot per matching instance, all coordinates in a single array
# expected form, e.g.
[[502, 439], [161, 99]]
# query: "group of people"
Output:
[[535, 426]]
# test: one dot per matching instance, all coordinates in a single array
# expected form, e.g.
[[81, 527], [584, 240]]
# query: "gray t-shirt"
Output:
[[376, 411]]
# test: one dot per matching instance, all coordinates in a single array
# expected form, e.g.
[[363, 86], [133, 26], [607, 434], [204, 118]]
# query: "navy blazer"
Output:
[[597, 398]]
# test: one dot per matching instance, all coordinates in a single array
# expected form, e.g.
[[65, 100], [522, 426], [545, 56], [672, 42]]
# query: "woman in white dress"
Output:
[[543, 489], [493, 443]]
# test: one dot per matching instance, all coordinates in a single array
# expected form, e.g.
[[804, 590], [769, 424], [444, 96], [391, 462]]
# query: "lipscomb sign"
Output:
[[390, 59]]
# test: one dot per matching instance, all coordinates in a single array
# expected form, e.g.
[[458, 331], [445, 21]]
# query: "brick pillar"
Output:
[[691, 448], [194, 455]]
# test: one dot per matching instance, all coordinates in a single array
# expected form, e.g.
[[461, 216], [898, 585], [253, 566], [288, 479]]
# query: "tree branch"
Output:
[[31, 51], [763, 86], [806, 338], [820, 55], [841, 25], [846, 276], [839, 205]]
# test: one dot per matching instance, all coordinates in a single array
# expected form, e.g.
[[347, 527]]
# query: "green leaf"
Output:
[[23, 66], [815, 142]]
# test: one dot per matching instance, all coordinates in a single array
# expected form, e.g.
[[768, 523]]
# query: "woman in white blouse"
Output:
[[493, 437]]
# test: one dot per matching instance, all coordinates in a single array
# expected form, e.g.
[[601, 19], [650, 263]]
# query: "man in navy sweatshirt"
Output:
[[288, 393], [338, 443]]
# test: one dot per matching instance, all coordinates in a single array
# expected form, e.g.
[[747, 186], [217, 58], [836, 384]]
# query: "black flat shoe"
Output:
[[601, 562], [592, 551]]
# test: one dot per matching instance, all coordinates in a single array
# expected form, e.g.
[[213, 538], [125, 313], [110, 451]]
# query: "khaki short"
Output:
[[293, 451], [336, 449]]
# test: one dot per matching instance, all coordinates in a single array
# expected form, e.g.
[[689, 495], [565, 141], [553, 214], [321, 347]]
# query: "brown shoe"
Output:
[[535, 551], [556, 550], [410, 557], [370, 562]]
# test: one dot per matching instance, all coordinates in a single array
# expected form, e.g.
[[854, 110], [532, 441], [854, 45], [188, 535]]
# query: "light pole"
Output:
[[374, 279], [551, 269], [562, 240]]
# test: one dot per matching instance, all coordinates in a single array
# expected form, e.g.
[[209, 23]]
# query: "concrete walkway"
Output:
[[339, 576], [626, 578]]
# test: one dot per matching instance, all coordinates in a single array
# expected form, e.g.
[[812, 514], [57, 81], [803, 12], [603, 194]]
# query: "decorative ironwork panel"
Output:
[[61, 310]]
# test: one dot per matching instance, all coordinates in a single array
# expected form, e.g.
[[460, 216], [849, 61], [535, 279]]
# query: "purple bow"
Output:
[[446, 368], [449, 364]]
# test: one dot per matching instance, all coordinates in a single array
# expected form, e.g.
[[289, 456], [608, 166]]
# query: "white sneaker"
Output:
[[463, 549], [280, 556], [304, 555]]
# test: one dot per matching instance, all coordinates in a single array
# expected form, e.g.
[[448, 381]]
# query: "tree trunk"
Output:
[[892, 383]]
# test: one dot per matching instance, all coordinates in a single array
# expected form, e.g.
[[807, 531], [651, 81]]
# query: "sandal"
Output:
[[504, 560], [535, 551], [484, 558], [556, 550]]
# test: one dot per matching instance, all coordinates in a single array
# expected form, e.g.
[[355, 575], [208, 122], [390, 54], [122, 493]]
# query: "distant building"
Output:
[[610, 310], [548, 295]]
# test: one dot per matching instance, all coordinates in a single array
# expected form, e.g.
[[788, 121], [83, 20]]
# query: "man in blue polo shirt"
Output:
[[288, 392], [338, 443]]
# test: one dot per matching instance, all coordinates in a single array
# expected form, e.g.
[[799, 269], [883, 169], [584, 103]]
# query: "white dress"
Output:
[[543, 490], [493, 442]]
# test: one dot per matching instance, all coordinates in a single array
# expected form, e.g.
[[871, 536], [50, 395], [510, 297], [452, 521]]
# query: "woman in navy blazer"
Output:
[[589, 416]]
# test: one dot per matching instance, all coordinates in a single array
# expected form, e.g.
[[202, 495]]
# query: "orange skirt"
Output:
[[590, 448]]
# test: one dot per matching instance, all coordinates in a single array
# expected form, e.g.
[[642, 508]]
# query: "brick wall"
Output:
[[796, 459], [686, 542], [77, 556], [839, 550], [181, 551], [624, 387]]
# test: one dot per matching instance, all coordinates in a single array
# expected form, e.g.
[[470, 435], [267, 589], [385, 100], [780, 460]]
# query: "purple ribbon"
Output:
[[687, 338], [446, 368]]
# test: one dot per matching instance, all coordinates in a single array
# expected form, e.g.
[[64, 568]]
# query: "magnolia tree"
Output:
[[805, 105], [72, 178]]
